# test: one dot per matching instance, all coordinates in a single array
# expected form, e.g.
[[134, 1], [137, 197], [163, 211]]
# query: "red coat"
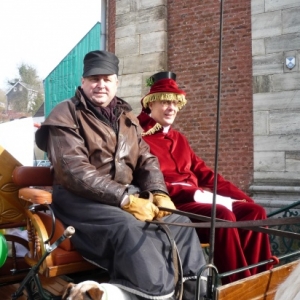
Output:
[[179, 163]]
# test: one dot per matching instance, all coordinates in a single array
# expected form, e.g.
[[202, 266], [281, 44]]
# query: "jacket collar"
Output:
[[149, 125]]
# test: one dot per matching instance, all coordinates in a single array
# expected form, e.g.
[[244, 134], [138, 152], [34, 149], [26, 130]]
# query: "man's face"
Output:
[[164, 112], [100, 89]]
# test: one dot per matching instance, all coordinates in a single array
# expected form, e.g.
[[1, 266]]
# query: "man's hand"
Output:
[[142, 209], [163, 200]]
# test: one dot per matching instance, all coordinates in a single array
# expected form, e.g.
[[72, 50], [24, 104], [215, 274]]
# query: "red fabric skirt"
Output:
[[234, 248]]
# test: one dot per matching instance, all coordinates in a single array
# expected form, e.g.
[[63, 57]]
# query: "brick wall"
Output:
[[193, 52]]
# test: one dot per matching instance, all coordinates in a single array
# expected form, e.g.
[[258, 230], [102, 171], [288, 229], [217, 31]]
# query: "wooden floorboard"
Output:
[[54, 286], [6, 292]]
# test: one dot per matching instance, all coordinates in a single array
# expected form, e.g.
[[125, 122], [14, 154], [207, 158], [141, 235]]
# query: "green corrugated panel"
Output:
[[62, 82]]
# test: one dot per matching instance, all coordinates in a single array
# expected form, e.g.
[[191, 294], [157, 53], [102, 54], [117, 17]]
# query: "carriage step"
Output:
[[55, 286]]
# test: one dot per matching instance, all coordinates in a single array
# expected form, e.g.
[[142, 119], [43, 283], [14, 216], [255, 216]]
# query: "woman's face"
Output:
[[164, 112]]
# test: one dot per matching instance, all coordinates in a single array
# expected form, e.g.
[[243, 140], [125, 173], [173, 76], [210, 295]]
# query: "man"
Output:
[[190, 182], [102, 168]]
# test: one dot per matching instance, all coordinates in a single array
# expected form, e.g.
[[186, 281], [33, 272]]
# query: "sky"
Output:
[[40, 33]]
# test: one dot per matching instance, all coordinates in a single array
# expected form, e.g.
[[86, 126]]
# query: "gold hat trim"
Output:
[[164, 97]]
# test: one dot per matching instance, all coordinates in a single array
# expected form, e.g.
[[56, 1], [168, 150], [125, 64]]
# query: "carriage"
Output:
[[51, 255], [52, 258]]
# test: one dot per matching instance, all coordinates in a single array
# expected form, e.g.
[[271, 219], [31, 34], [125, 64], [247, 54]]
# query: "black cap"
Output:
[[100, 63], [163, 75]]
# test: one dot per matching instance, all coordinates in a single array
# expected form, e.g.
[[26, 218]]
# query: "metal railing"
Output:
[[282, 245]]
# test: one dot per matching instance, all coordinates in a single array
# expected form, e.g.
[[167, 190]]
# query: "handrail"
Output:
[[280, 210]]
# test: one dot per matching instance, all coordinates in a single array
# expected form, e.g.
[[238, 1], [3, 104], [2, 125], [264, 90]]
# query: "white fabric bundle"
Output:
[[207, 197]]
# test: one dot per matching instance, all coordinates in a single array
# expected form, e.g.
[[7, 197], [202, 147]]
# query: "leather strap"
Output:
[[176, 260], [254, 225]]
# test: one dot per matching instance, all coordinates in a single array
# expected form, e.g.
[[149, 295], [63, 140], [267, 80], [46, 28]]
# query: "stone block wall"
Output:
[[276, 101], [140, 44]]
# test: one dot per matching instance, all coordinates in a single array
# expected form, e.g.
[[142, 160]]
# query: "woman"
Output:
[[190, 182]]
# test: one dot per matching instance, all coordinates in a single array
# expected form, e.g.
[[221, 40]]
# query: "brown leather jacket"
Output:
[[90, 159]]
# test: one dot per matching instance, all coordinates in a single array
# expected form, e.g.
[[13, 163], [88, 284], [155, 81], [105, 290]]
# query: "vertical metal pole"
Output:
[[210, 279], [213, 213]]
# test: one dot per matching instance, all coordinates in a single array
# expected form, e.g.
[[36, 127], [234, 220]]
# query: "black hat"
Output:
[[163, 75], [100, 63]]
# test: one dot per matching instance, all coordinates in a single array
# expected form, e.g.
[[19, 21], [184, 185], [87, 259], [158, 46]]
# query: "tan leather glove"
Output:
[[142, 209], [163, 200]]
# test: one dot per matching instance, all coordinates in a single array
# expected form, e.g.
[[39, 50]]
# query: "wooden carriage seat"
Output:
[[35, 187]]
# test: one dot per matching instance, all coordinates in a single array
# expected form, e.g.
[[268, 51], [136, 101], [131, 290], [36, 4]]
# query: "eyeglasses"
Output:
[[167, 103]]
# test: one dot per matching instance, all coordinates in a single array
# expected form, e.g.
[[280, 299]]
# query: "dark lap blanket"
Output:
[[137, 255]]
